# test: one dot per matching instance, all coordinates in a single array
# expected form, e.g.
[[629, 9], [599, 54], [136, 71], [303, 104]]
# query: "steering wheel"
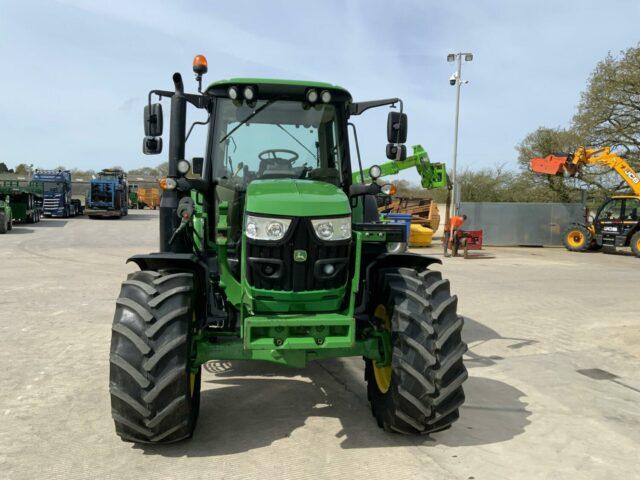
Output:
[[273, 154], [271, 161]]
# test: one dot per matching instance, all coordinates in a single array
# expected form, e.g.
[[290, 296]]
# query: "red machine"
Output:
[[554, 165]]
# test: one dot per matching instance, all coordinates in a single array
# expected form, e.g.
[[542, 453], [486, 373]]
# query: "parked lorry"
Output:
[[57, 200], [278, 258], [108, 195], [26, 199], [6, 219]]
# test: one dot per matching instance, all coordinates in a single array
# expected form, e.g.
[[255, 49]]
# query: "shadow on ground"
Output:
[[250, 405], [127, 218], [475, 334], [19, 229]]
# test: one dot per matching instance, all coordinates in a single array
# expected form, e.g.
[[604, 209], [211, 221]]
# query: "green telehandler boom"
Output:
[[432, 175], [270, 252]]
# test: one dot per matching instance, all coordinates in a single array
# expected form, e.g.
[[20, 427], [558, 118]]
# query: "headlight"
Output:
[[264, 228], [332, 229], [184, 166], [375, 171]]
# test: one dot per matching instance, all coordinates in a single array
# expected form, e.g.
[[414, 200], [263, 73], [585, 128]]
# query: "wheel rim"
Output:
[[382, 374], [638, 245], [575, 238]]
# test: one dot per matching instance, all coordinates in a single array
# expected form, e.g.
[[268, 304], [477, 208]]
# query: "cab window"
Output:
[[632, 209], [611, 211]]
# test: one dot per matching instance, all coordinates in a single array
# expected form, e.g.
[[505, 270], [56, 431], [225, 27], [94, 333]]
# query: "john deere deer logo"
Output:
[[299, 255]]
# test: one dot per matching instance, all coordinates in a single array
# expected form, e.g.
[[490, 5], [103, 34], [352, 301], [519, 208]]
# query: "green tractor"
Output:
[[269, 251]]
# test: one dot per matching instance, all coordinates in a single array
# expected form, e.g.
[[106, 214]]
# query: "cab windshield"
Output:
[[53, 187], [276, 139]]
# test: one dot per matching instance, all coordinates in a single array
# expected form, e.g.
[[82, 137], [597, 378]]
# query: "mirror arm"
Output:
[[360, 107], [198, 101], [194, 124]]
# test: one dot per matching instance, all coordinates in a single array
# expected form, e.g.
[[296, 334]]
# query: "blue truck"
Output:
[[108, 195], [57, 201]]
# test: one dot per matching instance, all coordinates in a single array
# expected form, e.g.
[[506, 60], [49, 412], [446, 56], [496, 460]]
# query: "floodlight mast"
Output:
[[456, 80]]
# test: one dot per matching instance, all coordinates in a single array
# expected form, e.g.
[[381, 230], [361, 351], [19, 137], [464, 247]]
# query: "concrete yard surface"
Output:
[[553, 393]]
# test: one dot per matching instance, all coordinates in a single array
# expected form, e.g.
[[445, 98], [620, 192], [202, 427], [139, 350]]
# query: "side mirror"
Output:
[[392, 152], [153, 120], [397, 127], [196, 165], [151, 145]]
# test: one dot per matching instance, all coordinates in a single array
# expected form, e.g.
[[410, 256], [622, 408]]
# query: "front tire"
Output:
[[155, 390], [421, 391], [577, 238], [635, 244]]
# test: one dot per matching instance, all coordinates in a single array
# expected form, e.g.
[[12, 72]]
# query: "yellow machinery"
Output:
[[421, 236], [617, 223], [148, 197]]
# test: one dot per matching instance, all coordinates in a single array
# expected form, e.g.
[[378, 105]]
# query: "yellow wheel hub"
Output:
[[382, 374], [575, 238]]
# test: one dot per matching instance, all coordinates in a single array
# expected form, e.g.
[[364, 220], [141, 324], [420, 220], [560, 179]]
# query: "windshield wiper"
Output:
[[249, 117], [296, 140]]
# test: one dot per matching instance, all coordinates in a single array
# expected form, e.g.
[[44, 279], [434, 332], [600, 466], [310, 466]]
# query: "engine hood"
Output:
[[296, 198]]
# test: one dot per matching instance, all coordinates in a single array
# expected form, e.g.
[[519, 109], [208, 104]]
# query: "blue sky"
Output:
[[75, 74]]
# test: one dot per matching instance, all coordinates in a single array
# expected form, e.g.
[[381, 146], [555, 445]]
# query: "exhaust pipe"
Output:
[[169, 220]]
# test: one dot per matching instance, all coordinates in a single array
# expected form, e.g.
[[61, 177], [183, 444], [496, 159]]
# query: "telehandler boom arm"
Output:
[[433, 175], [570, 164]]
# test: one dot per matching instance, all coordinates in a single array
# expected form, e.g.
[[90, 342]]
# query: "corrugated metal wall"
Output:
[[512, 224]]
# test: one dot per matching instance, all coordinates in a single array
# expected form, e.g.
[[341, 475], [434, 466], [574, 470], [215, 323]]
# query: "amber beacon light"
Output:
[[200, 67]]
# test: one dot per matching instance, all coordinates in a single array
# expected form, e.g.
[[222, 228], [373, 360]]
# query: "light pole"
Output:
[[456, 80]]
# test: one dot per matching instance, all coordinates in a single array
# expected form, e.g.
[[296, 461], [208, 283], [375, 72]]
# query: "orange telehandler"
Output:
[[617, 222]]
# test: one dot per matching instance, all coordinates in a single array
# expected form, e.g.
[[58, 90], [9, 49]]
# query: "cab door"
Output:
[[609, 221], [630, 217]]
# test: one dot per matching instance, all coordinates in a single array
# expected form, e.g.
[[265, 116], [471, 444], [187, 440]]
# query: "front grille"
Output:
[[51, 203], [271, 266]]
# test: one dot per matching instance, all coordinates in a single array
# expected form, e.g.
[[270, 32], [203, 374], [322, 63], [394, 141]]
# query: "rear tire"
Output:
[[3, 224], [424, 391], [155, 392], [577, 238], [635, 244]]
